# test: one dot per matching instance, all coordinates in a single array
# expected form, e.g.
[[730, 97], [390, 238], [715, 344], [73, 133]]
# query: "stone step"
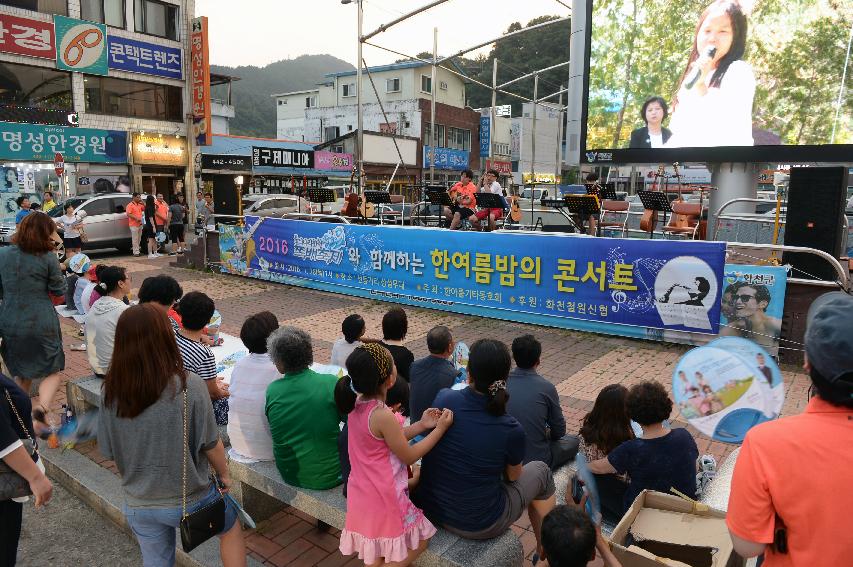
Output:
[[101, 490]]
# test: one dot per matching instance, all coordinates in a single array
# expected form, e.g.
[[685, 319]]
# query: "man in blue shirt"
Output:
[[534, 402], [24, 205], [432, 373]]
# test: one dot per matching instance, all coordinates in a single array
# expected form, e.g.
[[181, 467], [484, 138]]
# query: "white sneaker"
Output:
[[152, 256]]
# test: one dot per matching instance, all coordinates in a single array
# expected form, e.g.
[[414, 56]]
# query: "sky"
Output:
[[258, 32]]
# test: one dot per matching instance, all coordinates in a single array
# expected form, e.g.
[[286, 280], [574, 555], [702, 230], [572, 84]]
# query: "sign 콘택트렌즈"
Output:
[[146, 58]]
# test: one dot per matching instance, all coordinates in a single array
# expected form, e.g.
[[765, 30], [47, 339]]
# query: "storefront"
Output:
[[92, 160], [159, 163]]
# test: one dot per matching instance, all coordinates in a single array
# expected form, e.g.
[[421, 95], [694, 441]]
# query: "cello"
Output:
[[649, 220]]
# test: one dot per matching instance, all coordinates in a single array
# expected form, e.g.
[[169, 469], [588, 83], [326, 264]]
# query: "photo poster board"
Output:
[[728, 76], [614, 286], [727, 387]]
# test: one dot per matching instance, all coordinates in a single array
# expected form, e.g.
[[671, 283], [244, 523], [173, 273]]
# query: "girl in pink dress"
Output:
[[382, 524]]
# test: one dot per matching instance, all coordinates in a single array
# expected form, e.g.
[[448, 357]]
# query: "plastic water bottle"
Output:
[[62, 416]]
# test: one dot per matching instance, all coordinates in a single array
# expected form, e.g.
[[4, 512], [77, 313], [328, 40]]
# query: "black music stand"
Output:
[[656, 201], [582, 206], [440, 198], [380, 198], [490, 201], [321, 195]]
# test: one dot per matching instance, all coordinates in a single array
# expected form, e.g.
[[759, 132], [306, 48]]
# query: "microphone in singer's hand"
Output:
[[696, 71]]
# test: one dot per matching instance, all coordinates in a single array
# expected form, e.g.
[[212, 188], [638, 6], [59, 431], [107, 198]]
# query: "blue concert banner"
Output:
[[609, 285]]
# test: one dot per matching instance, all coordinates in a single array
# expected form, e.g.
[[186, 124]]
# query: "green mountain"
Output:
[[254, 109]]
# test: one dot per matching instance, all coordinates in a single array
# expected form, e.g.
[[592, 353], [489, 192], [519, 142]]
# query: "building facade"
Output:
[[399, 105], [101, 87], [522, 147]]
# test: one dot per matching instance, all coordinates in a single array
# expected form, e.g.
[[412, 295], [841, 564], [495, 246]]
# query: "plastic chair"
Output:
[[611, 206], [690, 210]]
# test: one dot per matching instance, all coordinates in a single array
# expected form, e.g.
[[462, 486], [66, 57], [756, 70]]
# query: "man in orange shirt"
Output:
[[791, 490], [135, 210], [466, 202]]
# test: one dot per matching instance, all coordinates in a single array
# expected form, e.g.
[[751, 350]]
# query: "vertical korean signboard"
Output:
[[200, 68]]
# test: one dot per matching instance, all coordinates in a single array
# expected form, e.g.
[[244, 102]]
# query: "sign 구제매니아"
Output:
[[146, 58], [282, 157], [24, 36], [81, 46]]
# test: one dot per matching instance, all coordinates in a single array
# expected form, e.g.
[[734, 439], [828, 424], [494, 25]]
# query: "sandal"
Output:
[[39, 418]]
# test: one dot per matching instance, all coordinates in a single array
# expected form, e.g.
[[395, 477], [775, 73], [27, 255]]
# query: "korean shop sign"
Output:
[[24, 36], [145, 58], [33, 142], [157, 149], [81, 46]]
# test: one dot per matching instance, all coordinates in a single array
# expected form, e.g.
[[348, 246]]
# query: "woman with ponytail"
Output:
[[101, 321], [382, 524], [473, 482]]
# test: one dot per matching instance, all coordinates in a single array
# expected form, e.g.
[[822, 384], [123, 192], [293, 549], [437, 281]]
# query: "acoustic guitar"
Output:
[[366, 209], [680, 221], [350, 206], [649, 220], [514, 208]]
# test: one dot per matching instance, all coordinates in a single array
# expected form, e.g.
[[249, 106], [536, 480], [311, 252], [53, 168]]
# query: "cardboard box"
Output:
[[668, 530]]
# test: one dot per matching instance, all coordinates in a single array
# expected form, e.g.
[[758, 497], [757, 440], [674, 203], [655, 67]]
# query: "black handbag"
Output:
[[204, 523], [13, 485]]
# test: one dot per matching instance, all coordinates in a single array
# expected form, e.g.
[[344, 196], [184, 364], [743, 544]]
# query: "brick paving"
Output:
[[579, 364]]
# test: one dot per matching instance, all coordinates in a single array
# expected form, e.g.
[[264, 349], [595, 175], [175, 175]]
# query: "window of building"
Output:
[[426, 84], [439, 139], [59, 7], [35, 86], [110, 12], [338, 149], [281, 102], [458, 139], [392, 85], [156, 18], [442, 85], [348, 89], [331, 132], [120, 97], [310, 101]]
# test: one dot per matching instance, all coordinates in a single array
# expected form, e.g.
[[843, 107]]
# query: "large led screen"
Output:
[[691, 80]]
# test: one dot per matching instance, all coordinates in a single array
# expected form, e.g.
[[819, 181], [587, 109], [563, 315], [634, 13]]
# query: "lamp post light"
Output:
[[238, 184], [360, 121]]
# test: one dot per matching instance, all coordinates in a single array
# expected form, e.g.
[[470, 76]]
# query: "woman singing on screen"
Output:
[[653, 134], [713, 106]]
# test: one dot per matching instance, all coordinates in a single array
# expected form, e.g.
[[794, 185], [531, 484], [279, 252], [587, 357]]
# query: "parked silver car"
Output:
[[105, 220], [273, 205]]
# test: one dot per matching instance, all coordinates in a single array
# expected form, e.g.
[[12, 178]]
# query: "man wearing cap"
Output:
[[792, 493]]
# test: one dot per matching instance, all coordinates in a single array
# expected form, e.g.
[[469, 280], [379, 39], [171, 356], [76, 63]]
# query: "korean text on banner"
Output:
[[81, 46], [753, 301], [485, 136], [446, 158], [200, 68], [23, 36], [34, 142], [282, 157], [147, 58], [608, 285]]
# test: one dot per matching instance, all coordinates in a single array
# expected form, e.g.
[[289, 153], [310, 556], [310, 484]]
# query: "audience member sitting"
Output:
[[196, 309], [353, 329], [603, 429], [302, 415], [248, 428], [534, 402], [473, 482], [90, 293], [432, 373], [163, 291], [86, 278], [662, 458], [395, 325], [570, 539], [103, 317], [395, 398], [791, 481]]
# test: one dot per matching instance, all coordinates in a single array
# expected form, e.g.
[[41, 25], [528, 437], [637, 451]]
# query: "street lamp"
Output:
[[238, 184], [360, 122]]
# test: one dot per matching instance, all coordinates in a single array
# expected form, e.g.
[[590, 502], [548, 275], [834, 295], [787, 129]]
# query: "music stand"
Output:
[[321, 195], [490, 201], [655, 201], [438, 197]]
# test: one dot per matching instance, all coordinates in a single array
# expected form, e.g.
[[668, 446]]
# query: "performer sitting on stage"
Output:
[[464, 202], [713, 106], [489, 184]]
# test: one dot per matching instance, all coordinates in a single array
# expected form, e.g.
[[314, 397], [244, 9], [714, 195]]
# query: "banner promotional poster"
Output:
[[81, 46], [753, 300], [200, 69], [617, 286]]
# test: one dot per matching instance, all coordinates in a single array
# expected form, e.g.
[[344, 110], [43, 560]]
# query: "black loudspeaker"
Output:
[[815, 219], [565, 228]]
